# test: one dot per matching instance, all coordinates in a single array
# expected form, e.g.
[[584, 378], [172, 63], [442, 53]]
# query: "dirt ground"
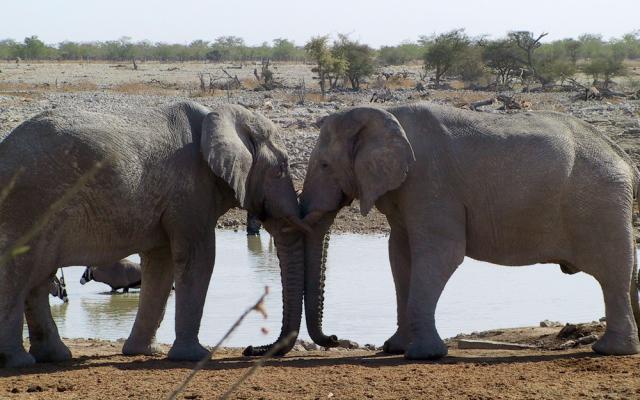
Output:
[[98, 371]]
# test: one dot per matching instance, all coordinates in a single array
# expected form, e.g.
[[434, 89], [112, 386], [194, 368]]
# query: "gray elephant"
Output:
[[535, 187], [162, 180], [123, 274]]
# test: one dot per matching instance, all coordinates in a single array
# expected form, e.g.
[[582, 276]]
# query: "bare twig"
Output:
[[20, 246], [274, 350], [258, 306]]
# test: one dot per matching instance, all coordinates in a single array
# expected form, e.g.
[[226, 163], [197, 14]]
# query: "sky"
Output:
[[375, 22]]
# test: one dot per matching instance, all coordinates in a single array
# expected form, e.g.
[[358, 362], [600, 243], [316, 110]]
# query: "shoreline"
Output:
[[99, 371]]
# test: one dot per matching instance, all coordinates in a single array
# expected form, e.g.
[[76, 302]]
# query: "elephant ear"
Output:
[[227, 147], [381, 153]]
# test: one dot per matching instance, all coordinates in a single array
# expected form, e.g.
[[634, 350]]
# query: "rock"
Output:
[[491, 345], [298, 347], [567, 330], [34, 388], [587, 339], [308, 346], [568, 344], [370, 346], [549, 324], [348, 344]]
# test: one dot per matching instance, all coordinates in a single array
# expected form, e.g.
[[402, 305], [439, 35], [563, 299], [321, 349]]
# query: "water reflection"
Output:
[[479, 296]]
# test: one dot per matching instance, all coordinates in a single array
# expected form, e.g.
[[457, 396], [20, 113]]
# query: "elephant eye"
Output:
[[324, 165]]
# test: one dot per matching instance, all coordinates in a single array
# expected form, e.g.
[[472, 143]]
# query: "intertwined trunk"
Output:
[[315, 255], [290, 253]]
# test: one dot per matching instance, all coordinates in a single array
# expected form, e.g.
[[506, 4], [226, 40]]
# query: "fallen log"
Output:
[[476, 104]]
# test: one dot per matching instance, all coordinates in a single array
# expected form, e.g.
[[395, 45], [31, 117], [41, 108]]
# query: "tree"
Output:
[[283, 49], [33, 48], [606, 64], [9, 49], [318, 49], [528, 44], [554, 61], [469, 66], [358, 58], [198, 49], [443, 52], [400, 54], [501, 58]]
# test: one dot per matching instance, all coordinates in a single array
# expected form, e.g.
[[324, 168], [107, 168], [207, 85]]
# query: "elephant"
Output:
[[85, 188], [514, 190], [123, 274]]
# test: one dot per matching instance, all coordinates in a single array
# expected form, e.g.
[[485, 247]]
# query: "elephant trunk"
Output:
[[315, 256], [290, 253]]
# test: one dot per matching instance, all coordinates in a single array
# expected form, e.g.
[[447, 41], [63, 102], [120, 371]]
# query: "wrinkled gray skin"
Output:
[[123, 274], [535, 187], [167, 177]]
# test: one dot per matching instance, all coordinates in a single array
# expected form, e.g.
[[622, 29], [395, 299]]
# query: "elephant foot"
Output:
[[189, 351], [50, 352], [396, 344], [426, 350], [16, 359], [131, 348], [614, 344]]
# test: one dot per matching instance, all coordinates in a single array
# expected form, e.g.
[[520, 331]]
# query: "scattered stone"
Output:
[[308, 346], [298, 347], [15, 390], [348, 344], [567, 330], [568, 344], [34, 388], [587, 339], [550, 324], [492, 345]]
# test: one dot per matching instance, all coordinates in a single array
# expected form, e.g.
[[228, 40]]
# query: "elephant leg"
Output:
[[621, 335], [430, 272], [194, 265], [12, 302], [46, 345], [157, 279], [635, 283], [400, 260]]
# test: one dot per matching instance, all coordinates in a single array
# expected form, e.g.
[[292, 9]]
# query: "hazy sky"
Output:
[[376, 22]]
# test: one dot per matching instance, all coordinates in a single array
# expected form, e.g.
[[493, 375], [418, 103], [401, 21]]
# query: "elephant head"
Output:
[[241, 147], [361, 153]]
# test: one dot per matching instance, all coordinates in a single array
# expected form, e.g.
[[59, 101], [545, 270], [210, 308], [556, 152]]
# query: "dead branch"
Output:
[[476, 104], [234, 78]]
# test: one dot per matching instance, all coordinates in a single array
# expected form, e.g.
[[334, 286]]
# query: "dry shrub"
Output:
[[15, 86], [140, 88], [309, 97], [83, 86], [399, 82], [249, 83]]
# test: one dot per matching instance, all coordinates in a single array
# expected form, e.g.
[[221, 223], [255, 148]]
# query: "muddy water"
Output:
[[360, 298]]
